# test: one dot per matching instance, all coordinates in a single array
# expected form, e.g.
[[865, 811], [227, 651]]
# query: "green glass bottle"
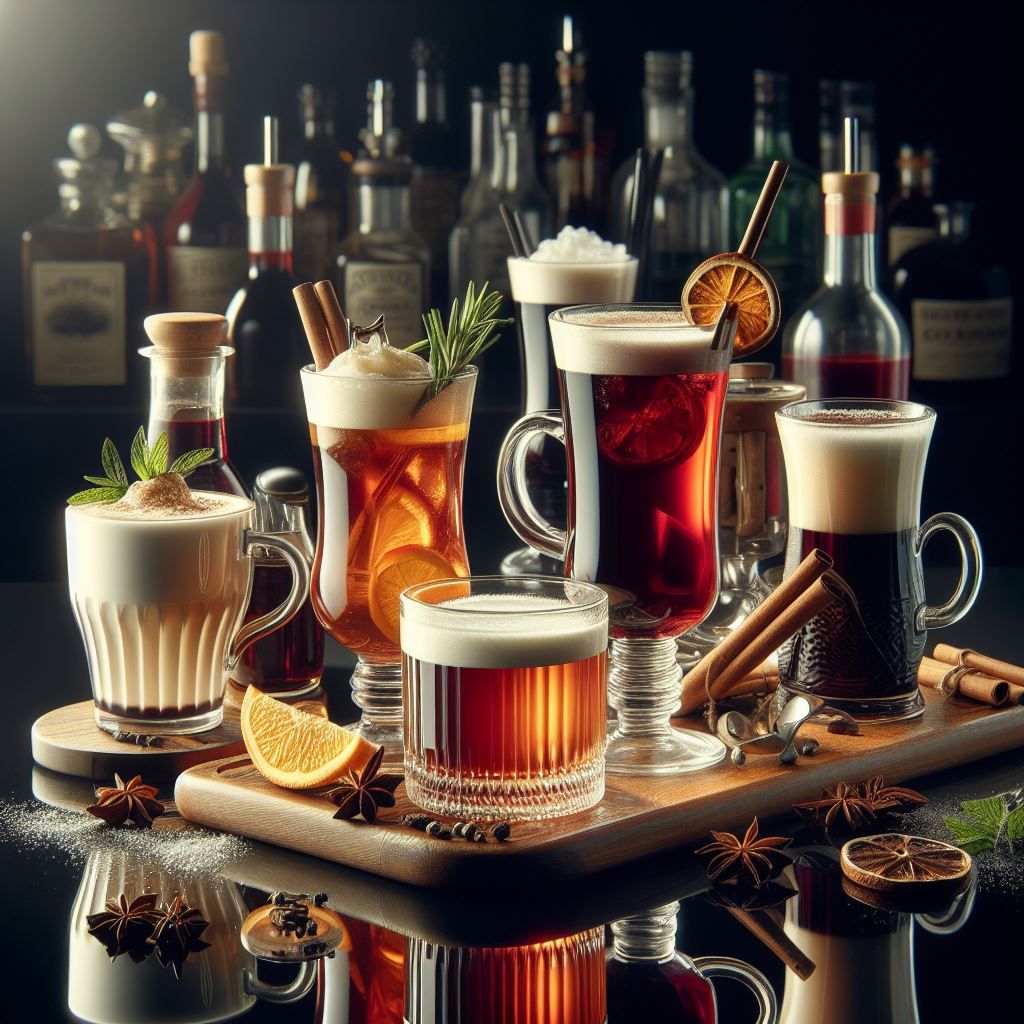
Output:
[[789, 249]]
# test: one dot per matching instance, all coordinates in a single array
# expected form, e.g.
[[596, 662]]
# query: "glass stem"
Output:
[[377, 692], [643, 685]]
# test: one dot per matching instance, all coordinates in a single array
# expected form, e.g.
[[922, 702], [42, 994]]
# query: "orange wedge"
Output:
[[295, 749], [397, 570], [730, 277]]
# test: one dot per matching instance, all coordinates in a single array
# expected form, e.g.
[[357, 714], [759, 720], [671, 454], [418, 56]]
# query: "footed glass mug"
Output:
[[389, 457], [642, 398], [855, 470], [159, 602]]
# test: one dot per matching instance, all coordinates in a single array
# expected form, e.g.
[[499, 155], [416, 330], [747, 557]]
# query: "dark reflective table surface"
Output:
[[497, 955]]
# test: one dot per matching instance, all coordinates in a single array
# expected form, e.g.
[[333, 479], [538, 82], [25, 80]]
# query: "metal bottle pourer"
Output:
[[281, 496], [851, 145]]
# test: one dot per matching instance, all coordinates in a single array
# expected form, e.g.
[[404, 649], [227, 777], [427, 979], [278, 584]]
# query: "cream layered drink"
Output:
[[159, 582]]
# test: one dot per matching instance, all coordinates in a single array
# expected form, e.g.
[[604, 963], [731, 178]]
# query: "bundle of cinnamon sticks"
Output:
[[965, 673], [738, 665], [325, 325]]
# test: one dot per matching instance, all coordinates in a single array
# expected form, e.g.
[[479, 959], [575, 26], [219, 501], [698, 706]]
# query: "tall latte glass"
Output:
[[159, 598], [504, 683], [642, 397], [586, 270], [855, 471]]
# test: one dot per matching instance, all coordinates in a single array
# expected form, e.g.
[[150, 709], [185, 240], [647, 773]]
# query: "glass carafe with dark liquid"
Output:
[[186, 402], [290, 661]]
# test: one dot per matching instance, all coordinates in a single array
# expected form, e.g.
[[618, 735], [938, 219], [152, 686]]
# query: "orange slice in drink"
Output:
[[295, 749], [401, 517], [730, 277], [397, 570]]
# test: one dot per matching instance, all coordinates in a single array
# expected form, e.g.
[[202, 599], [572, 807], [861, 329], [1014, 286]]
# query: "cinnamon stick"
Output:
[[314, 324], [337, 325], [763, 210], [771, 933], [991, 666], [963, 681], [695, 683], [763, 679]]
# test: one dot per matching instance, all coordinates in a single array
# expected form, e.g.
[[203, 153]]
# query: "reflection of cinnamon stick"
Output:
[[761, 632], [314, 324], [751, 484], [770, 932], [991, 666], [962, 681]]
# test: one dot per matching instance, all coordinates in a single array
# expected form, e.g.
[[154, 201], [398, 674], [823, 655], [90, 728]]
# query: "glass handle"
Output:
[[737, 970], [513, 492], [929, 617], [263, 625], [291, 992]]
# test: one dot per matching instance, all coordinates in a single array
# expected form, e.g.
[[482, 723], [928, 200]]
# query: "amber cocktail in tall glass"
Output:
[[389, 456]]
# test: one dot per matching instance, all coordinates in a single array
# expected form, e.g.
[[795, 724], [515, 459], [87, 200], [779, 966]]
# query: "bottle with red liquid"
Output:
[[649, 980], [289, 662], [848, 340], [186, 364]]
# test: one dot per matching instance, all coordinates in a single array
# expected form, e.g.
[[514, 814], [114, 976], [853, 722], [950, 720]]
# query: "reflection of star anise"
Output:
[[751, 859], [176, 934], [850, 808], [366, 791], [125, 925], [135, 800]]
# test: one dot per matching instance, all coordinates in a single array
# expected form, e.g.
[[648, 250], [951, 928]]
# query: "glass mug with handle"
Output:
[[855, 469], [159, 599], [642, 398]]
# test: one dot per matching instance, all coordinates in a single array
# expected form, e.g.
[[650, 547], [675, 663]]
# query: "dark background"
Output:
[[942, 79]]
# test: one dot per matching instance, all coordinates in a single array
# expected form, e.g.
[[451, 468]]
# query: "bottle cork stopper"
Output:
[[207, 54], [270, 190], [186, 332], [857, 183]]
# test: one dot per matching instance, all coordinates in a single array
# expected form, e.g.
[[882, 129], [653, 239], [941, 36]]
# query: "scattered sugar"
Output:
[[578, 245], [172, 844]]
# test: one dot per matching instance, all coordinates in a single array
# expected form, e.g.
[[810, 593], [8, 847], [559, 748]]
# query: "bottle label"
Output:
[[903, 239], [961, 340], [316, 244], [394, 289], [78, 323], [203, 278]]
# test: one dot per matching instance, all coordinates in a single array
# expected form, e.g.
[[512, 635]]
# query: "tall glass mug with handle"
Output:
[[576, 267], [389, 457], [855, 470], [642, 397]]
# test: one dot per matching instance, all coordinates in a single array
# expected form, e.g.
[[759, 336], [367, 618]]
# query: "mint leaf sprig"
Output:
[[988, 824], [473, 327], [148, 463]]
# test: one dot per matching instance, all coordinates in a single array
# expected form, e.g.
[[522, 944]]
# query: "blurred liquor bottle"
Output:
[[688, 221], [321, 187], [911, 216], [848, 340], [575, 160], [154, 137], [789, 249], [383, 264], [960, 310], [435, 177], [840, 99], [263, 322], [205, 231], [86, 281]]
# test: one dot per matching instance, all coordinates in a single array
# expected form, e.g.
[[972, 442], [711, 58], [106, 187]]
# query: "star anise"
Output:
[[841, 806], [127, 800], [366, 791], [124, 926], [176, 934], [890, 798], [751, 860]]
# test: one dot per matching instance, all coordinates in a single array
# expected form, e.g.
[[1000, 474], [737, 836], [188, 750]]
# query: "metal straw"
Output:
[[270, 149], [518, 248], [851, 140], [524, 235]]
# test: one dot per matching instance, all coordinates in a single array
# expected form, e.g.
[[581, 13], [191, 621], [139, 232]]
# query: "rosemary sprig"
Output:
[[148, 462], [473, 327]]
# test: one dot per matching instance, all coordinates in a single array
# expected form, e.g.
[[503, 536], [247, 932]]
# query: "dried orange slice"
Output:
[[295, 749], [397, 570], [730, 277], [903, 864], [402, 516]]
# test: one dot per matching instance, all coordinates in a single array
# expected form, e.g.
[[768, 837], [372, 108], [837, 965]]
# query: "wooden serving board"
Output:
[[68, 740], [637, 817]]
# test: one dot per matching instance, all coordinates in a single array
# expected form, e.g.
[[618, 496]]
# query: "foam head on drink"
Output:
[[643, 393], [504, 686], [383, 448]]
